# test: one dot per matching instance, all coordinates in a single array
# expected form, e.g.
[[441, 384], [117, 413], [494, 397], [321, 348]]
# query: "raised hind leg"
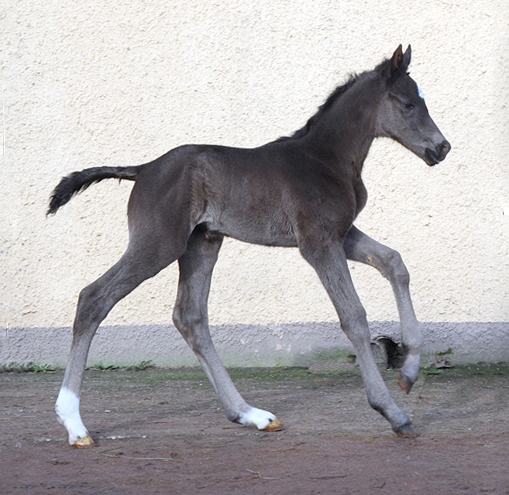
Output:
[[360, 247], [95, 302], [191, 319], [329, 260]]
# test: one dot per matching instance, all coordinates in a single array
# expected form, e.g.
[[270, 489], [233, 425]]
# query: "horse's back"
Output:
[[257, 195]]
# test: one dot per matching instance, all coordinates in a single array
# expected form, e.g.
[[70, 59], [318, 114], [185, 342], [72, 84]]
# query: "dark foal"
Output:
[[302, 191]]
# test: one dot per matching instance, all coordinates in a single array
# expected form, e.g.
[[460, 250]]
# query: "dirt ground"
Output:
[[161, 432]]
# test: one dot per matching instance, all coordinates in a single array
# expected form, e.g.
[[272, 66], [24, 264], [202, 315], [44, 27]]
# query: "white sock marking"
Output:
[[257, 417], [68, 412]]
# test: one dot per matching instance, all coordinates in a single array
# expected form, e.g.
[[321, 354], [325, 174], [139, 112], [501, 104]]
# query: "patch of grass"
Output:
[[431, 370], [26, 368], [142, 366], [466, 370], [43, 368], [274, 374], [103, 367], [442, 354]]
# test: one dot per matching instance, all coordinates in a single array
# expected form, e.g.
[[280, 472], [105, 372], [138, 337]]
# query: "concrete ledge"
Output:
[[292, 344]]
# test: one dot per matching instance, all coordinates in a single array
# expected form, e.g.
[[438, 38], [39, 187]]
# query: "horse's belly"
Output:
[[257, 231]]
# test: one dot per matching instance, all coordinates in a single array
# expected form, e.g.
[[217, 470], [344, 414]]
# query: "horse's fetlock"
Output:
[[234, 417], [377, 407]]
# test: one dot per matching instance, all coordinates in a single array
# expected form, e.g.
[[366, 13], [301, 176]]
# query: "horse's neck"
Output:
[[345, 134]]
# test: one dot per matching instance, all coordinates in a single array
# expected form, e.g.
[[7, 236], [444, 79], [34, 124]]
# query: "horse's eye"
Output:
[[409, 106]]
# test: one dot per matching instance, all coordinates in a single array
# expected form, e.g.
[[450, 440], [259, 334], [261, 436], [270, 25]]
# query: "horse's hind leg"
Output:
[[360, 247], [95, 302], [191, 319]]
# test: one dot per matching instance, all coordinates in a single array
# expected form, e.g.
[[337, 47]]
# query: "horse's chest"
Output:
[[361, 196]]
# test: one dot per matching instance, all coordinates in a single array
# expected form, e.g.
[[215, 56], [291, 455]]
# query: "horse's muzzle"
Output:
[[432, 157]]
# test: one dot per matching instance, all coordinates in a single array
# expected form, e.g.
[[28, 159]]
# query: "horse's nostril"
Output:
[[444, 148]]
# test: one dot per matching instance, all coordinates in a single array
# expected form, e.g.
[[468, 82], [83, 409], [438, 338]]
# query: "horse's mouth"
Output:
[[432, 157], [429, 158]]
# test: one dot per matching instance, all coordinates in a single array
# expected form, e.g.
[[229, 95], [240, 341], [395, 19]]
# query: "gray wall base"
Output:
[[295, 344]]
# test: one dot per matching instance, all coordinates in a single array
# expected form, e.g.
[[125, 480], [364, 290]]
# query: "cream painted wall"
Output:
[[98, 83]]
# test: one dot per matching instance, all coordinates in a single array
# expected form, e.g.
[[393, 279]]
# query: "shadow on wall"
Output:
[[297, 344]]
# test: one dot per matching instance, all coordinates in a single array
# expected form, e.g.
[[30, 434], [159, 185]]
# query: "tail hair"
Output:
[[79, 181]]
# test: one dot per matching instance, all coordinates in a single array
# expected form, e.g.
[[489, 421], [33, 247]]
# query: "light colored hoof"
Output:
[[405, 383], [274, 425], [84, 443]]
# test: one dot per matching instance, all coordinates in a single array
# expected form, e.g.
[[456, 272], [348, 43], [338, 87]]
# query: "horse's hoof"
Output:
[[274, 425], [405, 383], [406, 431], [84, 443]]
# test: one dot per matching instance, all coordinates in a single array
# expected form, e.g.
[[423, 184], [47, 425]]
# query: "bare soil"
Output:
[[162, 432]]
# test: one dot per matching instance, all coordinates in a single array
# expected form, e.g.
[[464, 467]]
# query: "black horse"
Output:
[[301, 191]]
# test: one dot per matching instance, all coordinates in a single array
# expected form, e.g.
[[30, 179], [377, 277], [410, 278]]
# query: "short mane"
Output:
[[335, 95], [329, 102]]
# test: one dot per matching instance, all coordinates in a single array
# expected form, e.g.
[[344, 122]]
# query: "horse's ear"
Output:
[[407, 56], [400, 61], [397, 59]]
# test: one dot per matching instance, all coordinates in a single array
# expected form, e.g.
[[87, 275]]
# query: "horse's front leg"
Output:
[[329, 260], [191, 319], [360, 247]]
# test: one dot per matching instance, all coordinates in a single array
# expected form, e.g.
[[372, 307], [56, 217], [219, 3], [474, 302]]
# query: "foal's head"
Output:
[[403, 113]]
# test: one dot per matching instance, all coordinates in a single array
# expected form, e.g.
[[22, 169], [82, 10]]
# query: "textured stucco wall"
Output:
[[92, 83]]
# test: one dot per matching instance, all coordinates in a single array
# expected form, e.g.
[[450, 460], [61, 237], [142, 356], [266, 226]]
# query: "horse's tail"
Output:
[[79, 181]]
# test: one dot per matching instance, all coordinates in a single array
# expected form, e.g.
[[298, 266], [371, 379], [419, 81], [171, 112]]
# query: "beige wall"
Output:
[[88, 83]]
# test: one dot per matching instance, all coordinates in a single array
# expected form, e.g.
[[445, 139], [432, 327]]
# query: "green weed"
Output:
[[26, 368]]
